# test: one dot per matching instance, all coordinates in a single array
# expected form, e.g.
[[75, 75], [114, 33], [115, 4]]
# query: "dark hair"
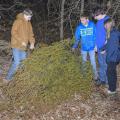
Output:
[[85, 14], [98, 10]]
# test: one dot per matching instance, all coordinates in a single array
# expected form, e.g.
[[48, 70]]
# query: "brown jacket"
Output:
[[21, 33]]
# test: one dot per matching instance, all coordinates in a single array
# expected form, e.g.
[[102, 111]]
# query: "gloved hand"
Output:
[[73, 49], [32, 46], [103, 52], [24, 44]]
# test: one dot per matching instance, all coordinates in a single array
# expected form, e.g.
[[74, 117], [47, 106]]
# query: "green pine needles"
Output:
[[49, 76]]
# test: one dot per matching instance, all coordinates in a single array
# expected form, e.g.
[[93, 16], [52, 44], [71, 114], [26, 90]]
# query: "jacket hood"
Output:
[[20, 16]]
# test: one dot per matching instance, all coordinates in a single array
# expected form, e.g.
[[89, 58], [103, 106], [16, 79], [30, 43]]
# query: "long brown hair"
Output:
[[112, 25]]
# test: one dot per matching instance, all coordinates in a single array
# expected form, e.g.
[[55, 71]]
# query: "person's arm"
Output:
[[15, 29], [94, 36], [31, 37], [94, 31], [119, 38], [103, 48], [77, 37]]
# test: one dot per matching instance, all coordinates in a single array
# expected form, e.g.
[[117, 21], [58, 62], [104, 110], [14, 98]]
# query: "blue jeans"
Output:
[[18, 56], [92, 60], [102, 67]]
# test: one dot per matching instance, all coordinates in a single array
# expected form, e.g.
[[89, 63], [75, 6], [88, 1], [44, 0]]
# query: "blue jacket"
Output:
[[113, 47], [86, 35], [100, 33]]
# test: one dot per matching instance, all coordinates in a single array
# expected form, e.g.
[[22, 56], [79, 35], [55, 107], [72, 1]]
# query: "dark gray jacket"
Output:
[[112, 47]]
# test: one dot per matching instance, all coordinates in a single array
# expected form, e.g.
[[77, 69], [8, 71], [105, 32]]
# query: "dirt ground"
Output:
[[100, 106]]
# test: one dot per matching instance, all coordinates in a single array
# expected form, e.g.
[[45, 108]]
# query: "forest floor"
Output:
[[99, 106]]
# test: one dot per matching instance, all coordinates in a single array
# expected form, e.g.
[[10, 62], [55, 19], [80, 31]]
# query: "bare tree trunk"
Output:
[[48, 5], [82, 6], [115, 11], [62, 20]]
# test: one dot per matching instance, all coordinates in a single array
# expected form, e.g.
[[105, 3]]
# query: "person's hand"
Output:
[[95, 49], [103, 52], [24, 44], [32, 46], [73, 49]]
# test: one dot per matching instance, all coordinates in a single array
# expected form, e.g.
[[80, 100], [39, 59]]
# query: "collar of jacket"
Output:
[[84, 25]]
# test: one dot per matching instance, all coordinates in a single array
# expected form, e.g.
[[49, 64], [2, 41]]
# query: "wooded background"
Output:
[[53, 20]]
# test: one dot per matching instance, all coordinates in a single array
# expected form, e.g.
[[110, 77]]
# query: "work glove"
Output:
[[24, 44], [32, 46]]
